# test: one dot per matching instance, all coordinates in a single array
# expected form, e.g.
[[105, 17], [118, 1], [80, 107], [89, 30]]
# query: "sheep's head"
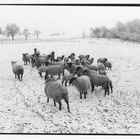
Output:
[[72, 80], [46, 63], [24, 54], [63, 57], [91, 60], [48, 79], [69, 64], [13, 62], [105, 59], [86, 72], [87, 56]]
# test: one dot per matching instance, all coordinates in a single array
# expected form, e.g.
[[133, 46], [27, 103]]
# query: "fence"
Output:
[[19, 41]]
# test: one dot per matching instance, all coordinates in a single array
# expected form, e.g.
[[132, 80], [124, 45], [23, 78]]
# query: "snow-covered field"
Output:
[[24, 107]]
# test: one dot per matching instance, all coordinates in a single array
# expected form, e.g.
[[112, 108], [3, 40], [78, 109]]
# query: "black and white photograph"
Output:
[[69, 69]]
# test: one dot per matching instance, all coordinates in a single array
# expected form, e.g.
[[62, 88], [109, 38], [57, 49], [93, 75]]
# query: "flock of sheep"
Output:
[[80, 73]]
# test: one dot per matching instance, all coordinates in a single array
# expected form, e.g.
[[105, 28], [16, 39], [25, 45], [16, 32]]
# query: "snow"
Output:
[[24, 107]]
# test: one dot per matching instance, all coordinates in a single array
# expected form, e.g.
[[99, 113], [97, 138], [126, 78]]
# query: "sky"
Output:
[[65, 19]]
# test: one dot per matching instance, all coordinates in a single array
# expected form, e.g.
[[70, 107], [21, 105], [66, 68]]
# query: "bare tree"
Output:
[[1, 31], [26, 33], [37, 33], [11, 30]]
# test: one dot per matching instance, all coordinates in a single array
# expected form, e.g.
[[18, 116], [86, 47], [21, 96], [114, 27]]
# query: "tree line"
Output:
[[12, 30], [129, 31]]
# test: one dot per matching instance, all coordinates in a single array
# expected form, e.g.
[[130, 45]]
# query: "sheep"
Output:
[[66, 59], [66, 78], [60, 58], [18, 70], [36, 51], [82, 84], [99, 80], [41, 70], [79, 70], [72, 56], [93, 71], [26, 58], [53, 63], [39, 60], [91, 60], [100, 66], [102, 72], [76, 61], [85, 62], [55, 70], [108, 65], [83, 56], [56, 91], [101, 60], [52, 56], [71, 67], [47, 58]]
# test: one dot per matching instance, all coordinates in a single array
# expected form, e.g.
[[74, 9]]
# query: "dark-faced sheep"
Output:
[[60, 58], [56, 91], [36, 52], [108, 65], [99, 80], [76, 61], [72, 56], [52, 56], [39, 60], [66, 59], [26, 58], [71, 67], [82, 84], [53, 63], [101, 60], [83, 56], [18, 70]]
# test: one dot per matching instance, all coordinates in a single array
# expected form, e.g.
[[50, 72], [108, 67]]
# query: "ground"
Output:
[[24, 107]]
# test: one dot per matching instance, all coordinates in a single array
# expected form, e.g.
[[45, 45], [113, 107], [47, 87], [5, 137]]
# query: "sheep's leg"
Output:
[[85, 95], [40, 74], [54, 102], [105, 92], [19, 77], [62, 82], [69, 83], [80, 95], [47, 99], [15, 76], [92, 88], [67, 105], [59, 105], [58, 77], [66, 83], [108, 90]]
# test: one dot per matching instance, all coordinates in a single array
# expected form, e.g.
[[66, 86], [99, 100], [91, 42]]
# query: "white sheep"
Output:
[[18, 70]]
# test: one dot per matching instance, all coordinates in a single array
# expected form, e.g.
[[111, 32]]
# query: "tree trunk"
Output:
[[26, 37], [12, 37]]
